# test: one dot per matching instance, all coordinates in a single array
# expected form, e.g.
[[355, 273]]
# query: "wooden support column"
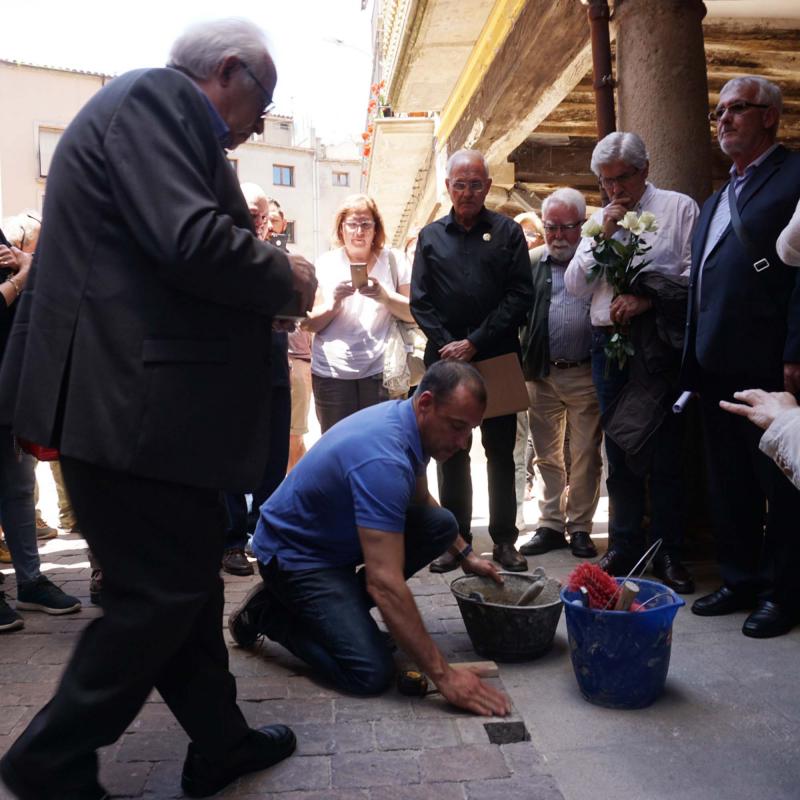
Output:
[[662, 89]]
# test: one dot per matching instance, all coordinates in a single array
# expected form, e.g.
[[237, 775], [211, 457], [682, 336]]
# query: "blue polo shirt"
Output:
[[361, 473]]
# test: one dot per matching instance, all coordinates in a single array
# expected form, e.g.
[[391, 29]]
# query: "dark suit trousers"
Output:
[[755, 508], [159, 546], [498, 435]]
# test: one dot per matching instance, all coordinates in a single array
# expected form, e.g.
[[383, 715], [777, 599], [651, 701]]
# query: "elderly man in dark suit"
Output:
[[150, 300], [744, 330]]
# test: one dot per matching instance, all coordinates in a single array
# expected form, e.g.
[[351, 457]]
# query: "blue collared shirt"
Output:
[[361, 473]]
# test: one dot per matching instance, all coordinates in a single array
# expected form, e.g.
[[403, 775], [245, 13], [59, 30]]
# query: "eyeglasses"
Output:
[[565, 228], [268, 104], [737, 109], [617, 179], [462, 186], [359, 226]]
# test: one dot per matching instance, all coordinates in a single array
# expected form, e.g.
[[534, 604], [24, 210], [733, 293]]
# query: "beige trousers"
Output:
[[566, 396]]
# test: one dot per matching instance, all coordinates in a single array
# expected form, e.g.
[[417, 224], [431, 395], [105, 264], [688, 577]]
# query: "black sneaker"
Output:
[[43, 595], [244, 623], [9, 619]]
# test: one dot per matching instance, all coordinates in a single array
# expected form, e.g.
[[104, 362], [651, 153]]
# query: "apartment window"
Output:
[[341, 178], [290, 232], [48, 139], [282, 175]]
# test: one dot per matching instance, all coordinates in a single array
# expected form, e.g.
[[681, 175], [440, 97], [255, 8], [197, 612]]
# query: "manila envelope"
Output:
[[505, 385]]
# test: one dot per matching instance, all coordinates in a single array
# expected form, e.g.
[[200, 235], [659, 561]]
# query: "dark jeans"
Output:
[[755, 508], [498, 435], [240, 523], [627, 490], [159, 544], [17, 482], [322, 615]]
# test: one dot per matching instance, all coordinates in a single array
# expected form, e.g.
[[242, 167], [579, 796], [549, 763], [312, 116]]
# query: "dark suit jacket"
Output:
[[748, 323], [150, 297]]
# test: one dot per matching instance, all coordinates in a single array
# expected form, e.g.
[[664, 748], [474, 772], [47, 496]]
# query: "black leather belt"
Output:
[[562, 364]]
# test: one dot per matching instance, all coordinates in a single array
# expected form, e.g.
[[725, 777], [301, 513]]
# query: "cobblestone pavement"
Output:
[[385, 748]]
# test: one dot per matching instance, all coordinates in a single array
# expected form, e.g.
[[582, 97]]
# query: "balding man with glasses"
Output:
[[621, 162], [132, 352], [744, 332], [470, 291]]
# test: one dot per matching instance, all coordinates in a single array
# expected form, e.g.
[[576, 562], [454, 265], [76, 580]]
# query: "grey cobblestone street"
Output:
[[349, 748], [728, 725]]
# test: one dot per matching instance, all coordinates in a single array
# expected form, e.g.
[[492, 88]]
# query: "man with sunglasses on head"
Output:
[[151, 298], [744, 331], [654, 448], [470, 291], [556, 362]]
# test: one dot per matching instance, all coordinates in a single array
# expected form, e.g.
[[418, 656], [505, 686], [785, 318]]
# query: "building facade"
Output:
[[309, 180]]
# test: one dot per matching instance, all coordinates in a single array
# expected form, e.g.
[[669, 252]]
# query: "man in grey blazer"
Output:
[[150, 300]]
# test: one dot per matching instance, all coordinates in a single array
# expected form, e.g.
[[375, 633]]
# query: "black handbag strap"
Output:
[[759, 263]]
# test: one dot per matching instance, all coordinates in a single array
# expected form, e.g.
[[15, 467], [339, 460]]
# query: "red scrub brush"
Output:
[[602, 588]]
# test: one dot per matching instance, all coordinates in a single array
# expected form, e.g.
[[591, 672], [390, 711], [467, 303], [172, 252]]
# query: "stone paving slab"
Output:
[[349, 748]]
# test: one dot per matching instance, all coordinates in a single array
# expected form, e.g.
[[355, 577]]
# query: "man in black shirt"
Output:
[[470, 291]]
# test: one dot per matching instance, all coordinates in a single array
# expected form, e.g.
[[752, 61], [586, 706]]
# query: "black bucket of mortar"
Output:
[[499, 629]]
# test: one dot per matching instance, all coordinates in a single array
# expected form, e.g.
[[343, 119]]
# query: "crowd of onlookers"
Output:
[[160, 354]]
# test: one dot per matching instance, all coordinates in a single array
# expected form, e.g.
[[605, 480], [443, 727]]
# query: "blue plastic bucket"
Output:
[[621, 658]]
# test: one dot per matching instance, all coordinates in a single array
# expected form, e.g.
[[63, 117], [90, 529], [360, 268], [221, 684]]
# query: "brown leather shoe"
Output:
[[235, 562], [445, 563], [509, 558]]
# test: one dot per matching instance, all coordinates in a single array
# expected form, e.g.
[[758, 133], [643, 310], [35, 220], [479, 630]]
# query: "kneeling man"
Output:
[[360, 496]]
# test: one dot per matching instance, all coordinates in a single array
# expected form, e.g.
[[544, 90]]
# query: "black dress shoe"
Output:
[[581, 545], [445, 563], [616, 563], [723, 601], [544, 540], [262, 748], [509, 558], [768, 620], [672, 573]]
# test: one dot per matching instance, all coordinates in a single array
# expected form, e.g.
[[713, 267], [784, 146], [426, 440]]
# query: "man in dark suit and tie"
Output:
[[744, 331], [150, 300]]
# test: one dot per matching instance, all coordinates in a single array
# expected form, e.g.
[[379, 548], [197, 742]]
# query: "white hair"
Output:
[[253, 193], [202, 46], [465, 154], [767, 92], [566, 196], [619, 146]]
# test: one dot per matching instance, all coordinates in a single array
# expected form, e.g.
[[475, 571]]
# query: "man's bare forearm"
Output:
[[402, 617]]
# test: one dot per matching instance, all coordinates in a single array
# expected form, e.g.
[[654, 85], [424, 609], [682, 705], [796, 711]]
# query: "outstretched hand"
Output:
[[483, 567], [463, 688], [758, 406]]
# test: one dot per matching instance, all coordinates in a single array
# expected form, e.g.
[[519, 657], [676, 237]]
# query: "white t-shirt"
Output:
[[351, 346]]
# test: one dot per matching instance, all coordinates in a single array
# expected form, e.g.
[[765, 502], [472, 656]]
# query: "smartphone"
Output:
[[279, 240], [358, 275]]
